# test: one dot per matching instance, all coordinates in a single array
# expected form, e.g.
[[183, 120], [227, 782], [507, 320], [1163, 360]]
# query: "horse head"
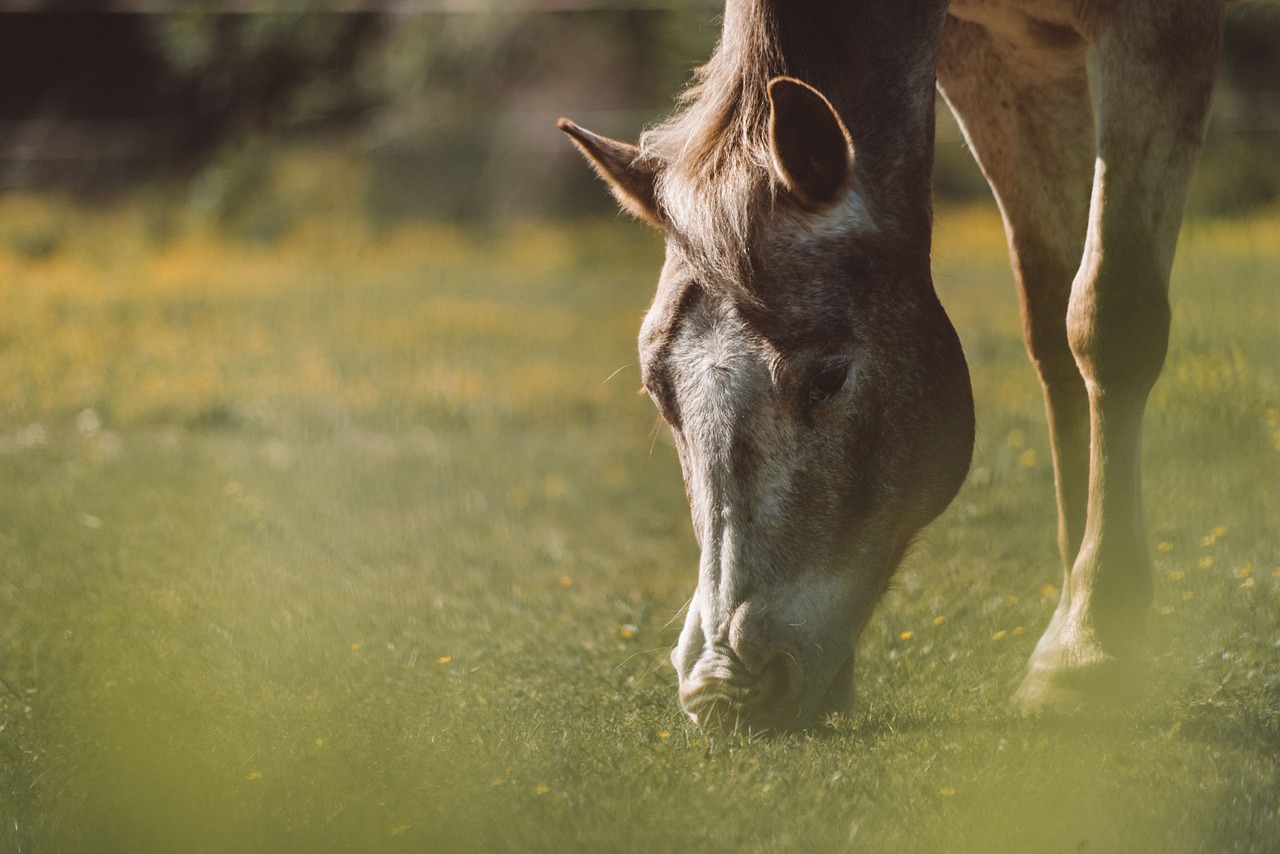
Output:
[[815, 389]]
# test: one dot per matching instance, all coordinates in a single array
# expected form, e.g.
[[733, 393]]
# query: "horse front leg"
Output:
[[1157, 65]]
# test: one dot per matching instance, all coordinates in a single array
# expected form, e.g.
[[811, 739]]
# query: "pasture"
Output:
[[363, 540]]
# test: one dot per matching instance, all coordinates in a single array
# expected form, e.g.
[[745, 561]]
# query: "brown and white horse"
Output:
[[817, 391]]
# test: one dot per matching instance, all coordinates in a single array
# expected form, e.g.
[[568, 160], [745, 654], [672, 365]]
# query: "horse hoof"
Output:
[[1100, 688]]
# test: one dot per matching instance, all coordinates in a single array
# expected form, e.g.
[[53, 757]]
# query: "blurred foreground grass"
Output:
[[358, 541]]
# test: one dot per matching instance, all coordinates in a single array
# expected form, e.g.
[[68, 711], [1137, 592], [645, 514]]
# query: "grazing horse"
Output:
[[816, 390]]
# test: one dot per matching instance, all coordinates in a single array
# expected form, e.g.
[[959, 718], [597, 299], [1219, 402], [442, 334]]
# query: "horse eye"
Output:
[[827, 382]]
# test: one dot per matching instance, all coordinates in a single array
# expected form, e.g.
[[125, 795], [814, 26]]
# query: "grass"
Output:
[[365, 542]]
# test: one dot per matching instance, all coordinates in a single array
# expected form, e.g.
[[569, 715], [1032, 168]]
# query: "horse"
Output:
[[816, 391]]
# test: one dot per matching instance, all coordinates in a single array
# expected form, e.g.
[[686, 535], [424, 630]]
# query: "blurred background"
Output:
[[449, 105], [331, 520]]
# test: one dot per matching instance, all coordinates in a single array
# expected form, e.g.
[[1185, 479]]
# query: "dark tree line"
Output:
[[98, 95]]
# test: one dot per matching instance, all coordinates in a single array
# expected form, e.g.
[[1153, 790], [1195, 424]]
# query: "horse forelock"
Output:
[[713, 188], [712, 157]]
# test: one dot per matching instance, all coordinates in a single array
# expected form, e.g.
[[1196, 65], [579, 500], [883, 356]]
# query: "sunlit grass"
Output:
[[184, 328], [362, 539]]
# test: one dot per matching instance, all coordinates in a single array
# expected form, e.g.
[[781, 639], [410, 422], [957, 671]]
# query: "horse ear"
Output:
[[811, 150], [631, 179]]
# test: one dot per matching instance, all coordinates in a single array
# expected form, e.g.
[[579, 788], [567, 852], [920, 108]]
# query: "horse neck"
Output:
[[875, 61]]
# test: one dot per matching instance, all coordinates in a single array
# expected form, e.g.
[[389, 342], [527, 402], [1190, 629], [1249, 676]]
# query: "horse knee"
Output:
[[1118, 325]]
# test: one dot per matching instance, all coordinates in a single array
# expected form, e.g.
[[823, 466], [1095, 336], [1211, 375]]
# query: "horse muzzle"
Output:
[[721, 695]]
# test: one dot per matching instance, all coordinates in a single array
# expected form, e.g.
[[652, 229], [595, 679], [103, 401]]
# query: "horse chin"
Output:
[[839, 697]]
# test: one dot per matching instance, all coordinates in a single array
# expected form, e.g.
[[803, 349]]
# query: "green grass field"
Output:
[[365, 542]]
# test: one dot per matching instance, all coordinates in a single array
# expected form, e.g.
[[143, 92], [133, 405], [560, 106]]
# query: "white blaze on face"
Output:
[[711, 377], [735, 449]]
